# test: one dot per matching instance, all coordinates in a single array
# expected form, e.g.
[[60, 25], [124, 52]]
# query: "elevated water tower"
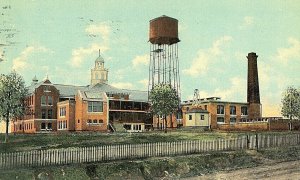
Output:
[[164, 64]]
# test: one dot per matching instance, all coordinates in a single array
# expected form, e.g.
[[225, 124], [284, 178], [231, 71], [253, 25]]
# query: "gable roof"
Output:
[[69, 90], [134, 95]]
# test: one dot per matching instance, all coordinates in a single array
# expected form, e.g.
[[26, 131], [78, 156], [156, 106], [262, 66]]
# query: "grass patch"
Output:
[[24, 142], [282, 154]]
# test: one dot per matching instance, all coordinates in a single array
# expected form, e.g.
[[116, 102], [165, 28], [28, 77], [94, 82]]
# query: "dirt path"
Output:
[[278, 171]]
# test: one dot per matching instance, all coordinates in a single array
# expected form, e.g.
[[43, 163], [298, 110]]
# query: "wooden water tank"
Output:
[[163, 30]]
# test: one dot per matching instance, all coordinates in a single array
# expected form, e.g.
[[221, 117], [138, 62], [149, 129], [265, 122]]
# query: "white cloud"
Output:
[[205, 57], [144, 82], [236, 89], [233, 93], [21, 62], [102, 29], [123, 85], [247, 22], [79, 54], [293, 51], [140, 60]]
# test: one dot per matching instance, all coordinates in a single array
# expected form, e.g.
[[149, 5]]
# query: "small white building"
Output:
[[197, 117]]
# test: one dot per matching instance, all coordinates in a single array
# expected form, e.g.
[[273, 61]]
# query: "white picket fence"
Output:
[[134, 151]]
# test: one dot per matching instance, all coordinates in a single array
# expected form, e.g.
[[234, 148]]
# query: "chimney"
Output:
[[253, 97]]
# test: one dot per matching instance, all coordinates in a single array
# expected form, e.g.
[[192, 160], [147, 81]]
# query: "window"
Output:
[[205, 107], [50, 102], [43, 100], [62, 111], [64, 124], [220, 109], [187, 108], [43, 113], [95, 106], [232, 120], [46, 89], [95, 121], [220, 120], [43, 126], [89, 121], [78, 121], [50, 114], [59, 125], [101, 121], [49, 126], [202, 117], [244, 111], [190, 117], [232, 110]]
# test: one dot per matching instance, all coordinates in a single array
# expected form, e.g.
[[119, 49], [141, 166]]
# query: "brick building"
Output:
[[220, 112], [227, 115], [42, 108], [95, 107]]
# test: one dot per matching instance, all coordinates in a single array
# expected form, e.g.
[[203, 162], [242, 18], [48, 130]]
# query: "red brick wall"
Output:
[[34, 109], [70, 114], [170, 124], [263, 126], [276, 125], [82, 114]]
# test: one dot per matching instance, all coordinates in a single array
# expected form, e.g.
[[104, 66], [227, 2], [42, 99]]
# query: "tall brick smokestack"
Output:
[[253, 97]]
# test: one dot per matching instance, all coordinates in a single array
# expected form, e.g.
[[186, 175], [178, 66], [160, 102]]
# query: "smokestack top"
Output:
[[252, 55]]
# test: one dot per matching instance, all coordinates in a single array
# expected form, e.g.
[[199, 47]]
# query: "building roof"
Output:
[[93, 92], [134, 95], [91, 95], [68, 90], [104, 87], [35, 85], [211, 100]]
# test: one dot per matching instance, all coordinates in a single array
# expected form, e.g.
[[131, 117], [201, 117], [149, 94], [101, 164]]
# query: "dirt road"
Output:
[[278, 171]]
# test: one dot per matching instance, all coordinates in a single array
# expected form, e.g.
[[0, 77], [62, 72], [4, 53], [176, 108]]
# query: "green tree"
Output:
[[164, 101], [12, 98], [291, 103]]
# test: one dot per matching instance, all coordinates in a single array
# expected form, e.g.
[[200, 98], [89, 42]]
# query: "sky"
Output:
[[61, 38]]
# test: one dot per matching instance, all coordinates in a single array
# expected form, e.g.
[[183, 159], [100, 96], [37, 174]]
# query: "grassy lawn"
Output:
[[23, 142]]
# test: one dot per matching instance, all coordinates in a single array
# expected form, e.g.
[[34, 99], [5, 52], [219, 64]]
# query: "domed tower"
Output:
[[99, 74]]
